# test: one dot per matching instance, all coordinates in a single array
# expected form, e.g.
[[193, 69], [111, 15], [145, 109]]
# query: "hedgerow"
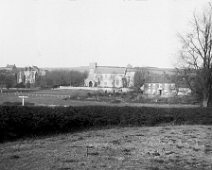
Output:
[[18, 121]]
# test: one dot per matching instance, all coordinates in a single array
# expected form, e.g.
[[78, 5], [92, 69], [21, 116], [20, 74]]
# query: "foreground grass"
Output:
[[150, 148]]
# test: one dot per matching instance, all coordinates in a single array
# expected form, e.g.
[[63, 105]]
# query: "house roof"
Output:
[[156, 70], [35, 67]]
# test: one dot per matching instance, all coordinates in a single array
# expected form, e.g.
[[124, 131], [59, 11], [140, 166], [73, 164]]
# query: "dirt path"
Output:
[[149, 148]]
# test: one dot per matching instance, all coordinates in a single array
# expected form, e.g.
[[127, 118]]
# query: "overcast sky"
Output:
[[69, 33]]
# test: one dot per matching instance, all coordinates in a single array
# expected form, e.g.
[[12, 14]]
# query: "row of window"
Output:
[[160, 85]]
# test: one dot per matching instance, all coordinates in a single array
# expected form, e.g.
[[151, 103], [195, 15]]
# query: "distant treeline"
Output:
[[62, 78], [7, 79], [52, 79]]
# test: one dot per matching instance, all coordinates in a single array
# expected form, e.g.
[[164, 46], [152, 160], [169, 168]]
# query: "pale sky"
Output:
[[70, 33]]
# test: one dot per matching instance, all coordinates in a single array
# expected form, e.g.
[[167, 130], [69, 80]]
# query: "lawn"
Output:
[[79, 98], [45, 97], [150, 148]]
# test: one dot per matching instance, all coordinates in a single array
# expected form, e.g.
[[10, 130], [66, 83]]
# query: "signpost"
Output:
[[23, 97]]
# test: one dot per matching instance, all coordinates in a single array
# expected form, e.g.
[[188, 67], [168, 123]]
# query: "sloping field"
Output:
[[149, 148]]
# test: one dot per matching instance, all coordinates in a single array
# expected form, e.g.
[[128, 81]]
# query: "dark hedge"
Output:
[[18, 121]]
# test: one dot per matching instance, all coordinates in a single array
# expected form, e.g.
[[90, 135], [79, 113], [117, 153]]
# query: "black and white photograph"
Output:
[[105, 85]]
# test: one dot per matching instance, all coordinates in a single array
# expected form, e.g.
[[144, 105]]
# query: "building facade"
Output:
[[29, 75], [160, 89]]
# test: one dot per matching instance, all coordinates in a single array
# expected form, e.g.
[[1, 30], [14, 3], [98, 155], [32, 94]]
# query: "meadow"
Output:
[[70, 97], [43, 97], [143, 148]]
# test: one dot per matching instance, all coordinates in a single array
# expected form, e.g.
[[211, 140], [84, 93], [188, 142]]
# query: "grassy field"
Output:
[[75, 98], [146, 148], [45, 97]]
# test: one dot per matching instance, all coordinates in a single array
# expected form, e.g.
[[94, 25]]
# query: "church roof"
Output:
[[111, 70]]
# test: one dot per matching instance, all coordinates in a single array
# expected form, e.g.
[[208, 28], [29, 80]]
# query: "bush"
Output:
[[20, 85], [18, 121], [17, 104]]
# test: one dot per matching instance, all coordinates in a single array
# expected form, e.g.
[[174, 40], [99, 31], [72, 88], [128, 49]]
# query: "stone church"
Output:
[[110, 76]]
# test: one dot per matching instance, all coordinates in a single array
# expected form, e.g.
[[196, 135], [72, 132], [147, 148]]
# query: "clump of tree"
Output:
[[178, 78], [140, 77], [62, 78], [196, 56], [7, 79]]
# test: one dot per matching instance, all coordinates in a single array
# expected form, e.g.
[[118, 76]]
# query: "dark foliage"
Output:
[[18, 121], [20, 85], [62, 78], [7, 79]]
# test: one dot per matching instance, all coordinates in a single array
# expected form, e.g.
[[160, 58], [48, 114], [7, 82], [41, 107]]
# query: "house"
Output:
[[29, 75], [109, 76], [159, 83]]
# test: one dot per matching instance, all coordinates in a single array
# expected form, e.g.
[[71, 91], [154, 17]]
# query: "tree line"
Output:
[[62, 78], [8, 79]]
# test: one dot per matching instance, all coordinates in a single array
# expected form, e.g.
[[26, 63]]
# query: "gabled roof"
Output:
[[35, 67]]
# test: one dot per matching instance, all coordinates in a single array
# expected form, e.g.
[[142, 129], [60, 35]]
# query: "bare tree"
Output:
[[141, 75], [196, 55]]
